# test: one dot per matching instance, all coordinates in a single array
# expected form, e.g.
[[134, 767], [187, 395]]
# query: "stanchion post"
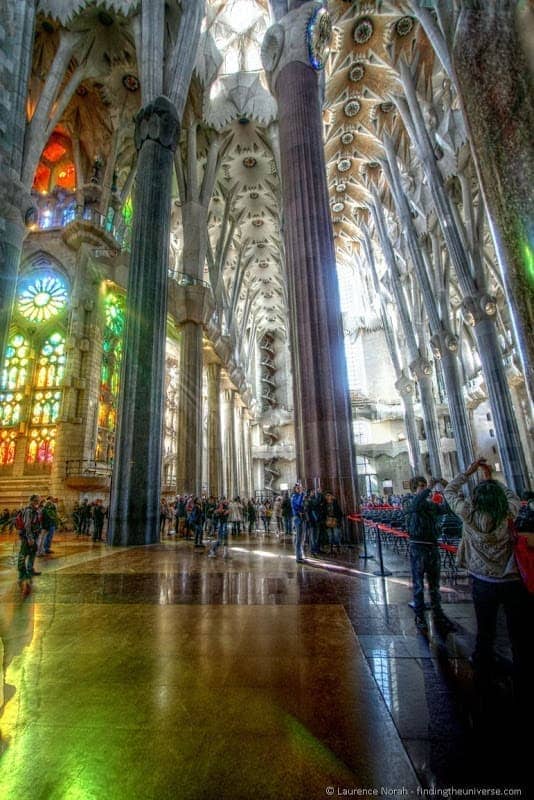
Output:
[[382, 572]]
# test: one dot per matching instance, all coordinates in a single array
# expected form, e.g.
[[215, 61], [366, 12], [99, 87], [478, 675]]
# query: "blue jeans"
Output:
[[222, 536], [287, 525], [314, 539], [298, 523], [424, 559], [47, 544]]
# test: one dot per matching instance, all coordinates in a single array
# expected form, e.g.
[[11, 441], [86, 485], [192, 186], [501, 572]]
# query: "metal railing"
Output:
[[86, 467]]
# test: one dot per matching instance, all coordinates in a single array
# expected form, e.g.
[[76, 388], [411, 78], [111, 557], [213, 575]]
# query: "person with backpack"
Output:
[[421, 518], [28, 524]]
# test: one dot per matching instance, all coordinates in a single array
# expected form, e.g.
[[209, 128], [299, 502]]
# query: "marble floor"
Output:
[[159, 673]]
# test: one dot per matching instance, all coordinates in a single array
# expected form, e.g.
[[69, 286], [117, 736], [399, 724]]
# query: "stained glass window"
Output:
[[7, 447], [43, 297], [17, 363], [51, 362], [41, 443], [33, 370], [114, 308]]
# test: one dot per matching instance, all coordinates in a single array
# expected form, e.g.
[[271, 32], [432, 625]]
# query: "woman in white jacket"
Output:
[[486, 552]]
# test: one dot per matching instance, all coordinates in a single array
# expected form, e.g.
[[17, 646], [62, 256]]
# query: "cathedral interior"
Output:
[[246, 243]]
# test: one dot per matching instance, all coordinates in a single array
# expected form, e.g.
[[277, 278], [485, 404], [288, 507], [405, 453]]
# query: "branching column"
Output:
[[487, 62], [322, 406], [445, 342], [476, 303], [134, 512], [419, 366], [403, 384], [189, 404]]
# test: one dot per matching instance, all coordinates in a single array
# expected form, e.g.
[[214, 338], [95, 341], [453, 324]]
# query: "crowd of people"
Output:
[[315, 521], [315, 518]]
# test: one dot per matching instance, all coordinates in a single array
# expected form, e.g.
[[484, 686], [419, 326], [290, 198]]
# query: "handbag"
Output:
[[331, 522], [523, 545]]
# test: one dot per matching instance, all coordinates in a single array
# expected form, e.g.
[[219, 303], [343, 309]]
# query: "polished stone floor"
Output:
[[159, 673]]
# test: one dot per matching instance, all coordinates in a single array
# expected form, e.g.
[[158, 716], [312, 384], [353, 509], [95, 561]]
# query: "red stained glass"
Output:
[[41, 182], [54, 150], [66, 177]]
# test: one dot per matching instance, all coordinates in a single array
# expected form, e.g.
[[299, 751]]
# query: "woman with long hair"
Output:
[[486, 551]]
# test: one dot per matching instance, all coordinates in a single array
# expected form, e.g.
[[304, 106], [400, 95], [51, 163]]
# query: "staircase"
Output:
[[14, 492]]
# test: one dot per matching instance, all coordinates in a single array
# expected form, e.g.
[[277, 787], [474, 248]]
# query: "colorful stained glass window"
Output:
[[51, 362], [114, 312], [45, 407], [7, 447], [43, 297], [17, 363], [41, 443], [11, 408]]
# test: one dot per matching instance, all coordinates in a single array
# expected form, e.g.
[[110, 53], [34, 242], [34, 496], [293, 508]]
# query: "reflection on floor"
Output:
[[159, 673]]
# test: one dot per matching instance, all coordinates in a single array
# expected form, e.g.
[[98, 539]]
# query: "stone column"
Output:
[[229, 454], [189, 422], [495, 86], [246, 486], [135, 492], [292, 52], [214, 430]]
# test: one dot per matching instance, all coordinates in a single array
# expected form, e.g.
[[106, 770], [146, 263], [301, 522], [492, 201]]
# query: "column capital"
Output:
[[443, 341], [159, 122], [302, 35], [421, 368], [405, 386], [478, 307]]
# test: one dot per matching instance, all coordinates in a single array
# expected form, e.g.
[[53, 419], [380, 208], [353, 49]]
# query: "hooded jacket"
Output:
[[486, 552]]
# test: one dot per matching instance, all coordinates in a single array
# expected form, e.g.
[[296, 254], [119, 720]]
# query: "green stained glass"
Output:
[[42, 298], [127, 211]]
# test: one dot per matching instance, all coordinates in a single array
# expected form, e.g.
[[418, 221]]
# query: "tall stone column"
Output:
[[292, 52], [496, 90], [135, 492], [229, 452], [214, 430], [189, 427], [246, 486], [16, 210]]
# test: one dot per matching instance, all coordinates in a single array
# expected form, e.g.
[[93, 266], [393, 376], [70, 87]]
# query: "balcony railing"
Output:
[[182, 279], [87, 468], [58, 209]]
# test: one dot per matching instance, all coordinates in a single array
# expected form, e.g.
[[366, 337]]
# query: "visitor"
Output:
[[29, 536], [423, 533], [486, 551], [333, 521], [297, 508]]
